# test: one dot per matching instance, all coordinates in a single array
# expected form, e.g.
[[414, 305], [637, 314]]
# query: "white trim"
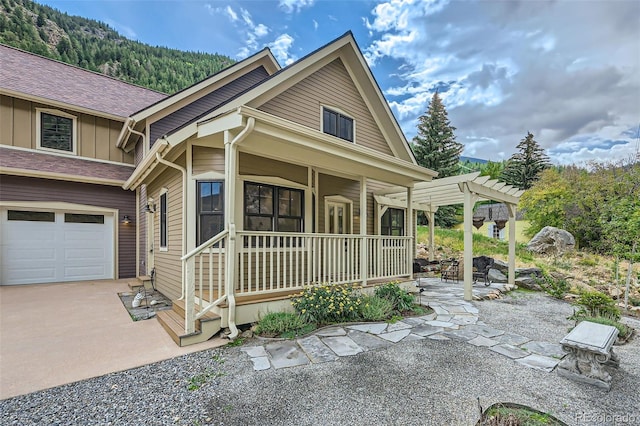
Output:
[[57, 113], [208, 176], [163, 192], [339, 200], [273, 180]]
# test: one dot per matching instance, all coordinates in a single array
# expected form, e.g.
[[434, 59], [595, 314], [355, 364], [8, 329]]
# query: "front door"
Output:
[[337, 218]]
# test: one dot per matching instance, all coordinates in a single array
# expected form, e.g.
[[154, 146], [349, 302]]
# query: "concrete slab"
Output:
[[54, 334], [438, 337], [482, 341], [315, 350], [413, 321], [368, 341], [510, 351], [342, 345], [485, 331], [254, 351], [412, 337], [331, 331], [539, 362], [463, 334], [429, 317], [437, 323], [512, 339], [261, 363], [464, 319], [396, 336], [553, 350], [285, 354], [427, 330], [373, 328], [400, 325], [445, 318]]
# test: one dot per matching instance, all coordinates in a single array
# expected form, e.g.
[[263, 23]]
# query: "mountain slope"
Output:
[[95, 46]]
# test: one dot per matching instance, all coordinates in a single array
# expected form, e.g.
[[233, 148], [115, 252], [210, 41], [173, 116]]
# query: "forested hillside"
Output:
[[95, 46]]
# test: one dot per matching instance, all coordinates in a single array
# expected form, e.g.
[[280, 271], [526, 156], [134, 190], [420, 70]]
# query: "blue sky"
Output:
[[567, 70]]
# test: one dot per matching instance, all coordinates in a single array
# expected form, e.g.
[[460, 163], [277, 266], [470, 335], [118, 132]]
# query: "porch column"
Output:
[[364, 249], [468, 244], [511, 208], [230, 171], [432, 234], [410, 231]]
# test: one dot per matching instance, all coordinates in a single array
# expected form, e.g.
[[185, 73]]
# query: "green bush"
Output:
[[596, 304], [374, 308], [286, 324], [401, 300], [327, 304], [556, 287]]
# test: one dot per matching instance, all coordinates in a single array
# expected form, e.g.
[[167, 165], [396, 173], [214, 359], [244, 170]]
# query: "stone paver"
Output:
[[316, 350], [342, 345], [510, 351], [453, 319]]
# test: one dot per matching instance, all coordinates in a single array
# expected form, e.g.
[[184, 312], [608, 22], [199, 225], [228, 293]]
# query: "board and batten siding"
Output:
[[18, 188], [168, 263], [330, 86], [96, 136]]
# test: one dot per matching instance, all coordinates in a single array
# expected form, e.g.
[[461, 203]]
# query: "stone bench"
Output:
[[590, 348]]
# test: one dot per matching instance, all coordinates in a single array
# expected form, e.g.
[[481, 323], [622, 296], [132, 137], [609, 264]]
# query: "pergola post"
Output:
[[468, 243], [432, 234], [511, 208]]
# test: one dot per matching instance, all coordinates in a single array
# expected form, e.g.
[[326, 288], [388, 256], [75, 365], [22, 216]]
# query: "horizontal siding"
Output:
[[96, 137], [206, 103], [333, 185], [167, 263], [331, 86], [142, 228], [260, 166], [16, 188], [207, 160]]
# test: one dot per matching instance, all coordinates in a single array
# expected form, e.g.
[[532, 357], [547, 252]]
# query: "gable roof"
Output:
[[24, 74]]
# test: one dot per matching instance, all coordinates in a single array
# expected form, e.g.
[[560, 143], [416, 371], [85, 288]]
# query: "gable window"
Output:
[[163, 221], [337, 124], [392, 222], [272, 208], [210, 210], [56, 131]]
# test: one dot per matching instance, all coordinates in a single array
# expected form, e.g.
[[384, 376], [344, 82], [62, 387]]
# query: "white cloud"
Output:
[[280, 49], [315, 24], [126, 31], [290, 6]]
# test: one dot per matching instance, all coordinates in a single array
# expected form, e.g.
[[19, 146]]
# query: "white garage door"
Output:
[[55, 246]]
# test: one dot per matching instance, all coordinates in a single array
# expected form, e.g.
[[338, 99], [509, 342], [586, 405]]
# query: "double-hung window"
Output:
[[163, 222], [392, 222], [56, 131], [337, 124], [273, 208], [210, 210]]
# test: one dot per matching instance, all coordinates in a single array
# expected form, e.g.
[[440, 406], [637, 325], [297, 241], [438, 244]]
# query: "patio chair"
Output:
[[481, 266], [449, 269]]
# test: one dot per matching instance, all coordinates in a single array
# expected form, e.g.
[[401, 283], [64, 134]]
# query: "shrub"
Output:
[[327, 304], [596, 304], [556, 287], [401, 300], [374, 308], [283, 323]]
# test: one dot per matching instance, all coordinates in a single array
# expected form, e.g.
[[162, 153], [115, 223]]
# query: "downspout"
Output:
[[135, 132], [231, 148], [184, 207]]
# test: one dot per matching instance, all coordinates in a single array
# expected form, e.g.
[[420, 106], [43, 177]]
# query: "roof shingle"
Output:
[[45, 78]]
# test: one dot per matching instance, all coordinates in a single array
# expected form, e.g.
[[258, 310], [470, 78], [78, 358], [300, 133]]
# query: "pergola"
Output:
[[464, 189]]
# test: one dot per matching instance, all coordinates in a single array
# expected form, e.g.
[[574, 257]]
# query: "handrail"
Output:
[[202, 247]]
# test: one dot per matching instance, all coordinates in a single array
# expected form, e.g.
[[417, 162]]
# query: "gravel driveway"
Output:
[[411, 383]]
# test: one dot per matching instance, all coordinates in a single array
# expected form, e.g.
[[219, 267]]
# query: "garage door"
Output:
[[56, 246]]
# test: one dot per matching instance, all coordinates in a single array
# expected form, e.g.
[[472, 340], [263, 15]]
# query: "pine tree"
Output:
[[524, 167], [435, 147]]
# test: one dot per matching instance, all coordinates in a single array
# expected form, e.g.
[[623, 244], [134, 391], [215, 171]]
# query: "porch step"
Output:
[[173, 322], [143, 280]]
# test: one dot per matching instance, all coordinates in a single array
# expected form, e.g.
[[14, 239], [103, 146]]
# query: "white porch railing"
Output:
[[268, 262]]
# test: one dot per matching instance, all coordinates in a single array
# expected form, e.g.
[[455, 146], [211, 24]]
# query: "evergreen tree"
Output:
[[524, 167], [436, 148]]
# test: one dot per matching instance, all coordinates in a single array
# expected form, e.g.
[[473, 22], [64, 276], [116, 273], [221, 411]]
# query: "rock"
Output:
[[569, 297], [551, 240], [500, 266], [494, 295], [496, 276], [529, 272], [247, 334], [615, 292], [528, 283]]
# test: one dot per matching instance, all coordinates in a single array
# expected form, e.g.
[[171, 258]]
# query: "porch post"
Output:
[[512, 243], [230, 170], [364, 249], [468, 244], [432, 234], [410, 231]]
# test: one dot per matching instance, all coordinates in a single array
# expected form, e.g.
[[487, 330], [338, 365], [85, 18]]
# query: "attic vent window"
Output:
[[336, 124]]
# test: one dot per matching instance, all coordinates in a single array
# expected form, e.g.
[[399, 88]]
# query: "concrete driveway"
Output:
[[53, 334]]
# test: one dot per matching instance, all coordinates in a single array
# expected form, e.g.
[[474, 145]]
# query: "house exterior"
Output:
[[243, 188]]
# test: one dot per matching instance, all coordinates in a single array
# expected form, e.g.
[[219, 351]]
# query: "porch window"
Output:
[[163, 221], [336, 124], [210, 210], [392, 222], [272, 208]]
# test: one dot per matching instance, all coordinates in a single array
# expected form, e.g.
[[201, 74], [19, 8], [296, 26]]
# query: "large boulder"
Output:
[[551, 240]]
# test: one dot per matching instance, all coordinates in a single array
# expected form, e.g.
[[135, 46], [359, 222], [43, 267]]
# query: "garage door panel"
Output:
[[83, 255], [32, 274], [30, 256], [84, 272]]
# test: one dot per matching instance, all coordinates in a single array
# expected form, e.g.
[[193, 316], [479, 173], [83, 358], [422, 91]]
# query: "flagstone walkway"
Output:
[[452, 319]]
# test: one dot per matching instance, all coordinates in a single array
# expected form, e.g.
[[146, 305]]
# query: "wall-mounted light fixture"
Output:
[[150, 208], [126, 220]]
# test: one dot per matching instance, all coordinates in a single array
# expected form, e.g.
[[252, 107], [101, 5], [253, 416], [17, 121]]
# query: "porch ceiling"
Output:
[[450, 190]]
